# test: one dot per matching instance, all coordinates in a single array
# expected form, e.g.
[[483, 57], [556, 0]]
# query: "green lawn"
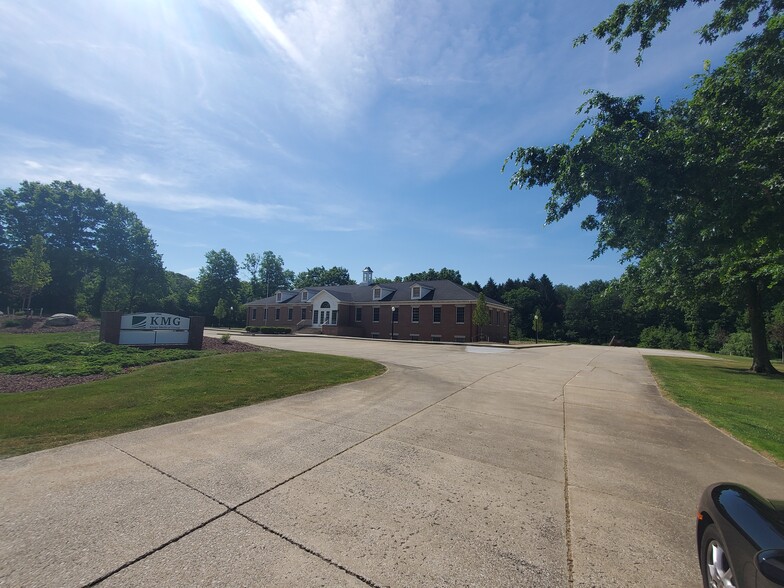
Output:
[[164, 393], [748, 406]]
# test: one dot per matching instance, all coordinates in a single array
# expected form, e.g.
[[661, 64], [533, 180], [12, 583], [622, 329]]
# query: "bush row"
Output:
[[80, 359], [269, 330]]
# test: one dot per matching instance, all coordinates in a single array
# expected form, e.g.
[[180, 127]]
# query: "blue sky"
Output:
[[332, 132]]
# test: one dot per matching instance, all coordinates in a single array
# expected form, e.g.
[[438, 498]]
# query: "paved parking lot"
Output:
[[552, 466]]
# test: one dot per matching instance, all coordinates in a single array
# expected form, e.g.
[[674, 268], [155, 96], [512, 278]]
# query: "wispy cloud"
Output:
[[266, 29]]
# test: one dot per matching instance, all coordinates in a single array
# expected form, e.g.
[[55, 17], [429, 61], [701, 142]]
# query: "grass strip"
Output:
[[748, 406], [164, 393]]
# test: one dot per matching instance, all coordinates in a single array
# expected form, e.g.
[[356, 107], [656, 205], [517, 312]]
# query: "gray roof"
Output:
[[441, 290]]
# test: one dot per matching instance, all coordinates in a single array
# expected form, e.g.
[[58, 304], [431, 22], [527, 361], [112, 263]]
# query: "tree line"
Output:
[[68, 249]]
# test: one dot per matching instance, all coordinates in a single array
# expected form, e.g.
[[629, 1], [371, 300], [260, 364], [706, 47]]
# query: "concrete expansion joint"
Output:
[[301, 546], [310, 551], [167, 474], [155, 550]]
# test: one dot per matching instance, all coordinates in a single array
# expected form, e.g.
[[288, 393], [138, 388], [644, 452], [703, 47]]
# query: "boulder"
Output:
[[61, 319]]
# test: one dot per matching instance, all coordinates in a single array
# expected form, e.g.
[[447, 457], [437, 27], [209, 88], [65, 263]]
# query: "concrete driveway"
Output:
[[552, 466]]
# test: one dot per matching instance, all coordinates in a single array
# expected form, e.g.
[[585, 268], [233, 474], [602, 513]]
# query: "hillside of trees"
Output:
[[64, 248]]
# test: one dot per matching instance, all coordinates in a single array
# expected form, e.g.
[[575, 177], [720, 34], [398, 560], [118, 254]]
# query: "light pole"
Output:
[[392, 321], [537, 325]]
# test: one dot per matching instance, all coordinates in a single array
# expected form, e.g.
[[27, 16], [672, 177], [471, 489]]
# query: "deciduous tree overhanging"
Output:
[[649, 18], [693, 189]]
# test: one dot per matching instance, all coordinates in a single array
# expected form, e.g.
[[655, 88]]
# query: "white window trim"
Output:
[[304, 296], [419, 312]]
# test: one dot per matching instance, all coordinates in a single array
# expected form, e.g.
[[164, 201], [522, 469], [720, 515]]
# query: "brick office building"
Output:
[[437, 310]]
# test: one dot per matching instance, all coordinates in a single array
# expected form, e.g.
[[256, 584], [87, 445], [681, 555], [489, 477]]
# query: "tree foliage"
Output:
[[320, 276], [100, 254], [31, 272], [697, 184], [481, 315], [431, 274], [648, 18], [218, 281]]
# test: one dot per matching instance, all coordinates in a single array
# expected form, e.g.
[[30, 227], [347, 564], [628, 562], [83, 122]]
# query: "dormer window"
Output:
[[304, 297], [418, 291], [278, 296], [377, 294]]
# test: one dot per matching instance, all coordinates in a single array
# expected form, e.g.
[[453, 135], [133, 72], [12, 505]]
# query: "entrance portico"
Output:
[[325, 309]]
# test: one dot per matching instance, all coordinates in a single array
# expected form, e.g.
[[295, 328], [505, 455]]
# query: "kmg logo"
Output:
[[153, 321]]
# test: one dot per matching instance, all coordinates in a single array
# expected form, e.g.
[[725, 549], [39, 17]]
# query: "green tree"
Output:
[[67, 216], [272, 273], [777, 327], [481, 316], [31, 272], [538, 324], [220, 311], [129, 270], [320, 276], [431, 274], [218, 280], [648, 18], [523, 300], [252, 265], [179, 287], [699, 182]]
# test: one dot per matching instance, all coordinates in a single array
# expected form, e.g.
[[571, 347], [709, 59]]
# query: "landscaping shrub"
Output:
[[738, 344], [269, 330], [81, 359], [225, 338], [663, 338]]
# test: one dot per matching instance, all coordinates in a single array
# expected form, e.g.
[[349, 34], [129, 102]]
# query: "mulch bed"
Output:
[[11, 383]]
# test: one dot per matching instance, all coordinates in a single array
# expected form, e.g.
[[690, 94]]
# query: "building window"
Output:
[[265, 313], [303, 314], [436, 314], [291, 314], [334, 317], [414, 337], [376, 313], [278, 296], [415, 315], [374, 335], [376, 293], [416, 292], [460, 315], [435, 338], [277, 314], [315, 317], [459, 339], [395, 315], [497, 317], [358, 314], [304, 297], [253, 314]]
